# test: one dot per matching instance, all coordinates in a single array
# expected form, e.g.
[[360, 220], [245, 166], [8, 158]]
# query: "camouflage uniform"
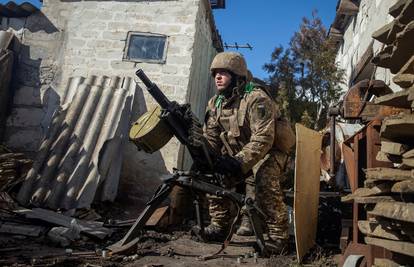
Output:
[[243, 126]]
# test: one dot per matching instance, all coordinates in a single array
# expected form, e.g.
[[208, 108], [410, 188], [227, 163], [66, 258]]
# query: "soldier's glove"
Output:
[[228, 166]]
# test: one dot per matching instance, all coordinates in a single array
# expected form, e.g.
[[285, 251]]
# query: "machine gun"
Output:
[[202, 178]]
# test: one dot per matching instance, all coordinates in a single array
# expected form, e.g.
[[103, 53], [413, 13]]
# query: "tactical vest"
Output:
[[236, 131]]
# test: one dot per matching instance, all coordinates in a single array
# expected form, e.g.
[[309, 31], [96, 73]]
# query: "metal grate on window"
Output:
[[145, 47]]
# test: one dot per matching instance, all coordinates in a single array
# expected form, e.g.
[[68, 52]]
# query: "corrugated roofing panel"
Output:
[[13, 10], [5, 39], [80, 159]]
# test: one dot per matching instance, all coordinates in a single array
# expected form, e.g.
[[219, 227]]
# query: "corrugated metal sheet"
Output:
[[5, 39], [80, 159], [13, 10]]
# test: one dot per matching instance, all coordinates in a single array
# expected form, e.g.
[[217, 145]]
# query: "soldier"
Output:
[[240, 125]]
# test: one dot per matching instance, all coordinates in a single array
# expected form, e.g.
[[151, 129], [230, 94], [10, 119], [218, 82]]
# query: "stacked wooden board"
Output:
[[388, 193]]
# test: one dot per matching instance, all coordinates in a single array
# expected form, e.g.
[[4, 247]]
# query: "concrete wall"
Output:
[[372, 15], [81, 38]]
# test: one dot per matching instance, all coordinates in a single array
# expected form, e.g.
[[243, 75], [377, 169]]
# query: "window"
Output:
[[145, 47]]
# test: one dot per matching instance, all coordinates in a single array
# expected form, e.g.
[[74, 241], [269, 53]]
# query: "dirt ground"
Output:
[[154, 249]]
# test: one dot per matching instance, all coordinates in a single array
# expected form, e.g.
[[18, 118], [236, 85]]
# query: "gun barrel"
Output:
[[153, 90]]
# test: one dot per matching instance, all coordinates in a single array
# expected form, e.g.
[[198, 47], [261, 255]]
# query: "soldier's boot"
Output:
[[277, 246], [245, 228], [215, 232]]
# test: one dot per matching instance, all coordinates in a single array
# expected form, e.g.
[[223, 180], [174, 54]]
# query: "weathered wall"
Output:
[[372, 15], [88, 38], [201, 86]]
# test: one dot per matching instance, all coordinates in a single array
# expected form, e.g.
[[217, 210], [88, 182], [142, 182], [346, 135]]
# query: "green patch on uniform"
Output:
[[248, 88]]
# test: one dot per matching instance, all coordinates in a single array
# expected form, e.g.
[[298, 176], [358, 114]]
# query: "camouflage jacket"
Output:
[[242, 125]]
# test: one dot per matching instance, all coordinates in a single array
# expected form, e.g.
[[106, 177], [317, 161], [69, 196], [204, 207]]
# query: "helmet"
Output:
[[230, 61], [249, 76]]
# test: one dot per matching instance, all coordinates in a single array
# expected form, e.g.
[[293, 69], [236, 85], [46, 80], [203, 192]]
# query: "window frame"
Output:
[[140, 60]]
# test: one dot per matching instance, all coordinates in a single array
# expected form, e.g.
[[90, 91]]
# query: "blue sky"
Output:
[[264, 24]]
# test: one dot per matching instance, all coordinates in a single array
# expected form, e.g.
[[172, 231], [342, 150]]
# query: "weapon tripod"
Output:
[[195, 181]]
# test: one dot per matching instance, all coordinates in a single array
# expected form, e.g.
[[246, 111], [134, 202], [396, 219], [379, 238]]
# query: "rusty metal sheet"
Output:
[[306, 196], [350, 165]]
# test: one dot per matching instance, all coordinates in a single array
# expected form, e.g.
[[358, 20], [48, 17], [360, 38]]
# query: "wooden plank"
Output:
[[405, 77], [406, 248], [399, 129], [385, 157], [159, 217], [387, 33], [403, 47], [377, 230], [405, 228], [398, 99], [409, 154], [407, 163], [378, 262], [396, 9], [394, 210], [373, 200], [403, 187], [393, 148], [366, 192], [306, 188], [89, 227], [388, 174]]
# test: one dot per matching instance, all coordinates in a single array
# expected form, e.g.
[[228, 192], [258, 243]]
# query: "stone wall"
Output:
[[372, 15], [82, 38]]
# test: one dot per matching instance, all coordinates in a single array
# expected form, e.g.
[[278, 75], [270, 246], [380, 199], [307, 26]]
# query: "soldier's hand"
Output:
[[228, 166]]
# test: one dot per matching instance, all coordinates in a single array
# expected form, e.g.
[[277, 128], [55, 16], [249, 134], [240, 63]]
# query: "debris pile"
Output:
[[388, 192], [13, 167]]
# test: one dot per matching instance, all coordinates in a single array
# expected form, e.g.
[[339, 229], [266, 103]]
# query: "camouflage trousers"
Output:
[[265, 188]]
